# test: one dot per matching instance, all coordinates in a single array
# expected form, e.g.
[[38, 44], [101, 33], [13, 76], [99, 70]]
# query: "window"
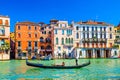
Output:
[[77, 28], [115, 53], [35, 35], [77, 35], [62, 32], [83, 35], [101, 35], [29, 44], [55, 31], [3, 32], [56, 40], [92, 28], [29, 27], [87, 28], [35, 28], [35, 43], [71, 40], [104, 35], [83, 28], [29, 35], [60, 25], [71, 32], [104, 28], [41, 39], [67, 32], [42, 47], [96, 35], [87, 35], [62, 40], [19, 35], [19, 43], [101, 29], [92, 35], [110, 36], [66, 40], [95, 28], [49, 32], [110, 29], [65, 25], [18, 27]]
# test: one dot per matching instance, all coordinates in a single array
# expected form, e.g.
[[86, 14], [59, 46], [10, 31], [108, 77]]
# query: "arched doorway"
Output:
[[89, 54], [98, 54]]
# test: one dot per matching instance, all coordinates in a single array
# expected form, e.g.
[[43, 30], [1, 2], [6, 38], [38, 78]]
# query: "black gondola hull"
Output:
[[56, 67]]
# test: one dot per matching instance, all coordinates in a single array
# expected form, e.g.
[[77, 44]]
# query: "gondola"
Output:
[[56, 67]]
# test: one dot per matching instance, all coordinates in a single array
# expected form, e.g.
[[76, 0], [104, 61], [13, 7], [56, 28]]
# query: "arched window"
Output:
[[110, 36], [48, 47], [56, 40], [62, 40], [71, 40], [48, 40], [42, 47], [77, 35], [66, 40], [41, 39], [77, 28]]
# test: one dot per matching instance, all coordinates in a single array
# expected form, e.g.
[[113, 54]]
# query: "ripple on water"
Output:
[[99, 69]]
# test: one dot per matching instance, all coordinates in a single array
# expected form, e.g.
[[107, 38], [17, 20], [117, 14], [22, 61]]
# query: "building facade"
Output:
[[27, 35], [117, 38], [4, 36], [94, 39], [12, 45], [46, 44], [62, 38]]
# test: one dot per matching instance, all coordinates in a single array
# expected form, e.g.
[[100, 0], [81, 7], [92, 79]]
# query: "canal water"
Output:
[[99, 69]]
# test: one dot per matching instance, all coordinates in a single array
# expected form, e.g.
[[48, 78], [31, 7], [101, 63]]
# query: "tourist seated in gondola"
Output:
[[63, 64]]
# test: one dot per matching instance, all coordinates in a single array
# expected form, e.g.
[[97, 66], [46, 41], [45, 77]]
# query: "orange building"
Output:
[[27, 36]]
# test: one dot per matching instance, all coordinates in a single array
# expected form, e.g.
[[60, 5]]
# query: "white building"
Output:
[[94, 39], [63, 38]]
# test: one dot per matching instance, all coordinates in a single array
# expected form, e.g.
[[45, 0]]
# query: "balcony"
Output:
[[68, 45], [42, 50], [29, 47], [48, 49], [94, 40], [117, 41], [19, 47]]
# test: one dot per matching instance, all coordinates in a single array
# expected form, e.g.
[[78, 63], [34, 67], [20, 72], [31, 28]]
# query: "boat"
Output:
[[114, 57], [47, 57], [56, 67]]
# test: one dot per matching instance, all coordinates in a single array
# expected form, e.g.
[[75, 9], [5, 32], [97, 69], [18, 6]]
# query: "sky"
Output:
[[70, 10]]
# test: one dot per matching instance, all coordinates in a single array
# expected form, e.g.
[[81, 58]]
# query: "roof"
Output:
[[90, 22], [4, 16], [27, 23]]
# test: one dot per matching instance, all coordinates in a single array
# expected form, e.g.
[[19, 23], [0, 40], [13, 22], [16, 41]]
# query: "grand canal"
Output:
[[99, 69]]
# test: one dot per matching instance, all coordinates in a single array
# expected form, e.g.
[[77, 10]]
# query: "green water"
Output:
[[99, 69]]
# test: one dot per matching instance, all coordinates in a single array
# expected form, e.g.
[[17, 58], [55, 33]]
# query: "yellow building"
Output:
[[117, 37]]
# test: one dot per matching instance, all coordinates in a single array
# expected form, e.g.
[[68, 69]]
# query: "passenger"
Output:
[[63, 63], [76, 60]]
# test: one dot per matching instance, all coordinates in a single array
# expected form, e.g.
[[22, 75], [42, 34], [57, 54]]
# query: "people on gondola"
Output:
[[63, 64], [76, 60]]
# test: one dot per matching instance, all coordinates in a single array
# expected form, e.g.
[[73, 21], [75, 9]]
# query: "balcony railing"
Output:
[[117, 41], [94, 40], [48, 49]]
